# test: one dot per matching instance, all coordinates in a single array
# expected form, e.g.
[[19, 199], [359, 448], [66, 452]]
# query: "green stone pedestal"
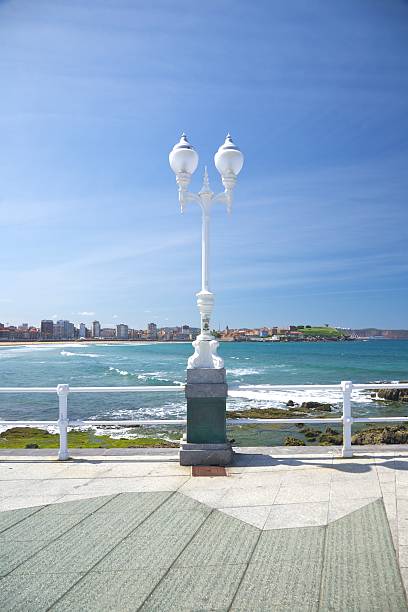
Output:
[[206, 442]]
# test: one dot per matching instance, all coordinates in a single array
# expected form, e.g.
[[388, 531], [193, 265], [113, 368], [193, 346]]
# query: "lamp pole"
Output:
[[183, 161]]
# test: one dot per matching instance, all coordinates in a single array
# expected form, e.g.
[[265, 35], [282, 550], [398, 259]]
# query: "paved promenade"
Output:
[[135, 531]]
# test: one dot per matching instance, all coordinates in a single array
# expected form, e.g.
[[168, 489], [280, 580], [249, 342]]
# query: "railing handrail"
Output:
[[181, 387], [119, 389], [63, 390]]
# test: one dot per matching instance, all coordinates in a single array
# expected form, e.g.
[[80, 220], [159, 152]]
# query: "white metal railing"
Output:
[[63, 423]]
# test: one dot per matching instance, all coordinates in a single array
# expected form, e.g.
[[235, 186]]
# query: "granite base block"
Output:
[[206, 454]]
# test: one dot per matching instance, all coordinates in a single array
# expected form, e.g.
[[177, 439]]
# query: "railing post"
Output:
[[62, 391], [347, 387]]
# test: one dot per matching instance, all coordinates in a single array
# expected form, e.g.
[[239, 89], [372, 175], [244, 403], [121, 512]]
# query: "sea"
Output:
[[249, 363]]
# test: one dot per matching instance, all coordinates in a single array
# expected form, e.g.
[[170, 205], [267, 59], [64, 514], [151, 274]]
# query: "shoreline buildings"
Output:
[[65, 330]]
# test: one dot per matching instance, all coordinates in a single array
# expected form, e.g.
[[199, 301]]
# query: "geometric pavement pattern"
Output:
[[164, 551]]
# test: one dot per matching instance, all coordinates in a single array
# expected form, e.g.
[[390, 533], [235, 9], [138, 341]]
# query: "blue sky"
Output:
[[95, 93]]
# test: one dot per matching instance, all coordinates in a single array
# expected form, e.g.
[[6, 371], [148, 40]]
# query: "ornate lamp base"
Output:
[[205, 345], [205, 354]]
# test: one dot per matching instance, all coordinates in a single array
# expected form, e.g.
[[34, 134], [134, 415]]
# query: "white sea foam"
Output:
[[69, 354], [279, 397], [243, 371], [23, 350], [121, 372]]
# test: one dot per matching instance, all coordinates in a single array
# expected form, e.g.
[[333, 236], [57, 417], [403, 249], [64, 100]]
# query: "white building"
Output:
[[64, 330], [107, 332], [122, 332], [96, 329], [152, 331]]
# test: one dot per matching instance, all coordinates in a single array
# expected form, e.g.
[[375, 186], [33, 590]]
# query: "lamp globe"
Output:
[[183, 158], [228, 159]]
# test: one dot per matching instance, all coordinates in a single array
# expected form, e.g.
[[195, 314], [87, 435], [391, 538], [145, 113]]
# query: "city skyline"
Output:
[[96, 96]]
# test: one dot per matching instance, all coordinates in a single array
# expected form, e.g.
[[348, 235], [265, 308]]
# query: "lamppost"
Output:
[[183, 161], [206, 388]]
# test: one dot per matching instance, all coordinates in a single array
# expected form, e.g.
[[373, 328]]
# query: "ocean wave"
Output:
[[23, 350], [120, 372], [69, 354], [279, 397], [243, 371], [147, 376]]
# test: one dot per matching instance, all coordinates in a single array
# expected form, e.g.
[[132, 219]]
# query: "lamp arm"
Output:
[[225, 197], [186, 197]]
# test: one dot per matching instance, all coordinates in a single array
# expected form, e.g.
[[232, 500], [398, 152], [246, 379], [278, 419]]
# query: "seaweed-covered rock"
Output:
[[311, 434], [389, 434], [393, 395], [292, 441], [331, 431], [316, 407], [261, 413], [329, 439]]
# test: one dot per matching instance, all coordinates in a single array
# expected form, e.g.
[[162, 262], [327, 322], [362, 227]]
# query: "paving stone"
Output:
[[29, 470], [207, 483], [284, 545], [12, 554], [196, 588], [350, 490], [360, 570], [297, 515], [253, 515], [70, 551], [11, 517], [317, 475], [221, 540], [54, 486], [81, 507], [141, 503], [34, 592], [280, 586], [211, 497], [179, 501], [341, 507], [99, 591], [388, 488], [251, 496], [403, 556], [39, 527], [27, 501], [106, 486], [298, 493], [165, 521], [151, 551], [404, 577], [112, 527], [263, 479]]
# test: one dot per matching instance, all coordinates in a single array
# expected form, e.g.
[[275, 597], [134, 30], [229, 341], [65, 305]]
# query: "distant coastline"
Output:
[[87, 342], [114, 342]]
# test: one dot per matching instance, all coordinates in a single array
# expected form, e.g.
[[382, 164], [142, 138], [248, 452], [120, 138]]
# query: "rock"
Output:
[[291, 441], [311, 435], [316, 406], [328, 439], [390, 434], [331, 431], [393, 395], [290, 403], [32, 446]]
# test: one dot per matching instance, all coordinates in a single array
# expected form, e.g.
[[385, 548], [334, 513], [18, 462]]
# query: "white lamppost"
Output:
[[183, 161]]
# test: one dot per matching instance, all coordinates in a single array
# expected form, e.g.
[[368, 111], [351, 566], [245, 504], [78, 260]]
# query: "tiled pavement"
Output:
[[135, 531]]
